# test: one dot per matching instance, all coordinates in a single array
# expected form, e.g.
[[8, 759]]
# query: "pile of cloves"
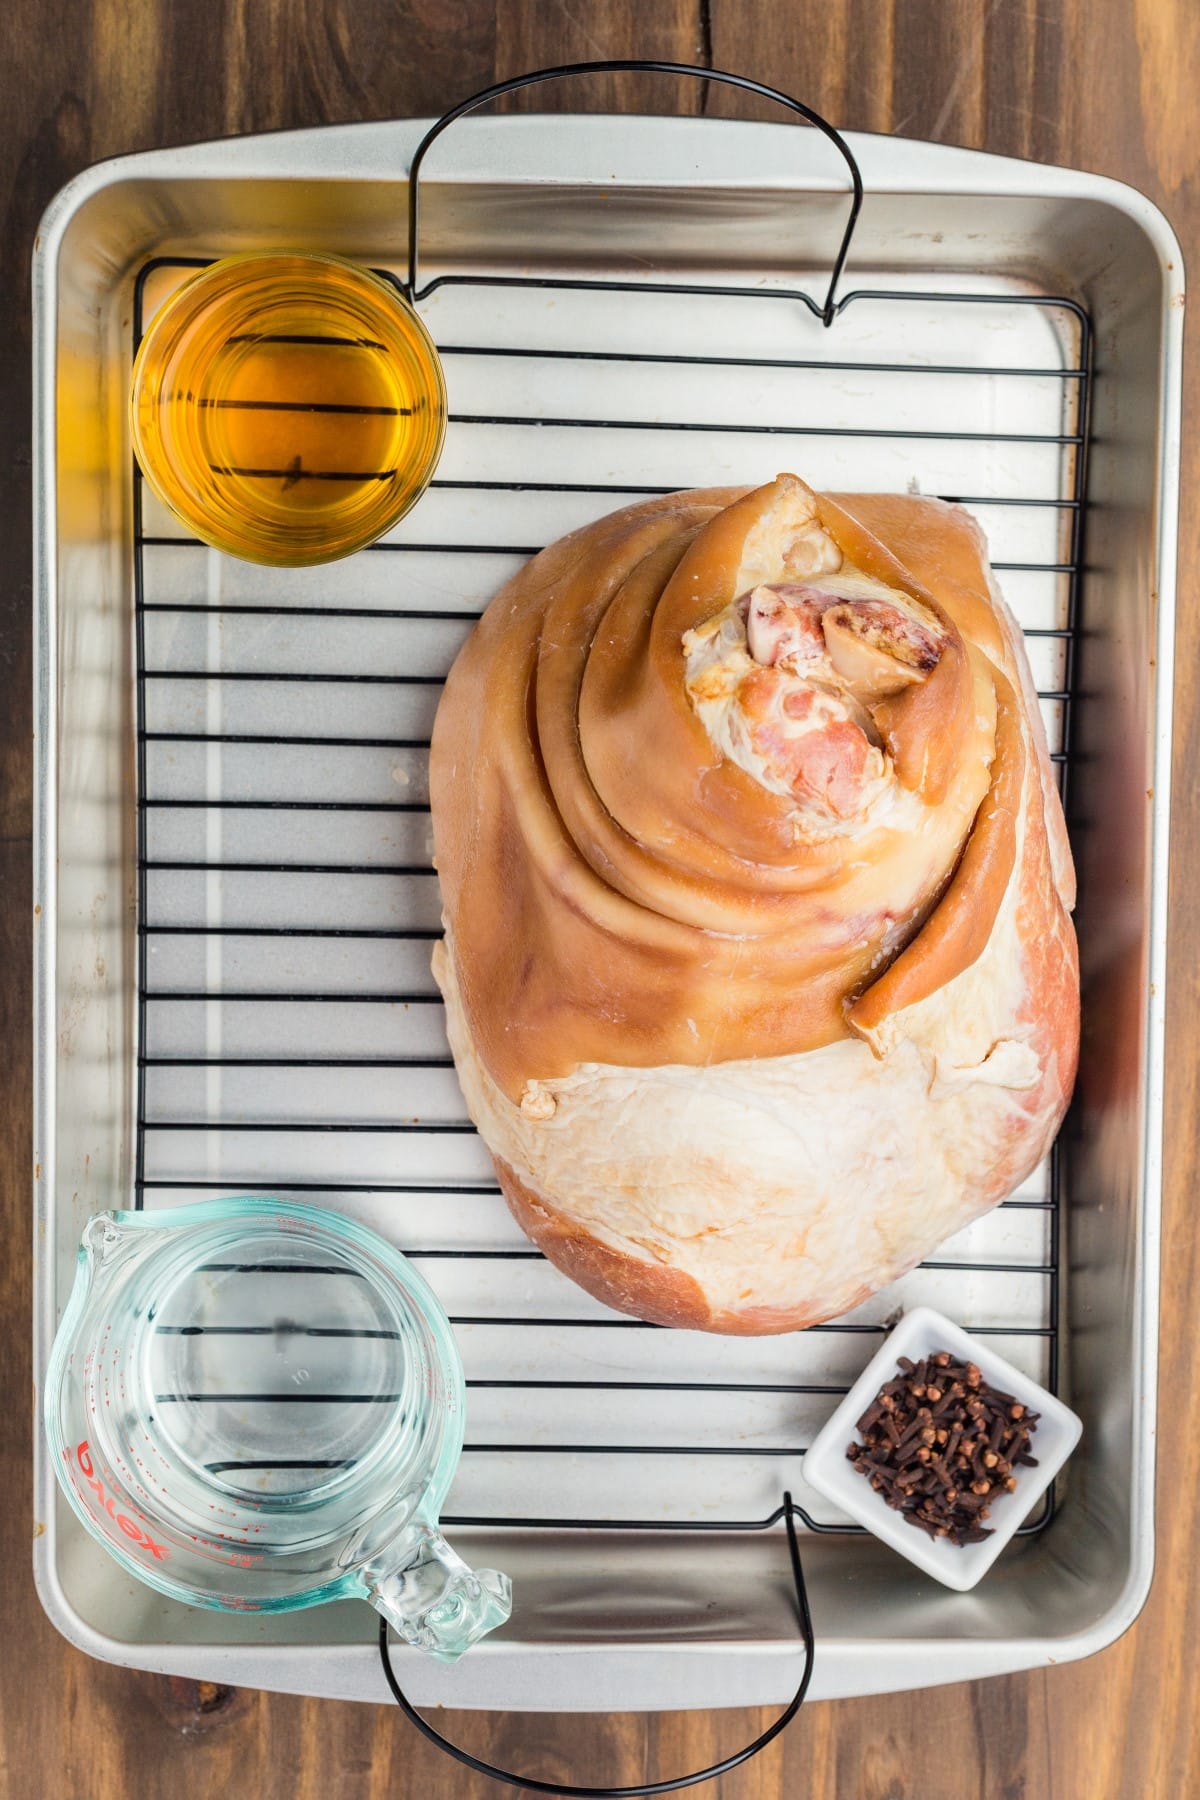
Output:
[[939, 1445]]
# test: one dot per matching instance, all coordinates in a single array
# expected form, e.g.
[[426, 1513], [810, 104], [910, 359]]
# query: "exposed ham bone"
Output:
[[793, 623], [784, 624], [830, 657]]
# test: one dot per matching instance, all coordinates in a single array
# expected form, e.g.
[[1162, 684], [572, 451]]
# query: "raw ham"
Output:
[[758, 964]]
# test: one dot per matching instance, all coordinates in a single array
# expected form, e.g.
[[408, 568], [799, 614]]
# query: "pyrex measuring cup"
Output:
[[260, 1406]]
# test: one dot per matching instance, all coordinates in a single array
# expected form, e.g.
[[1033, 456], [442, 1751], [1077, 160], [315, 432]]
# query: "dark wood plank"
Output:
[[539, 37], [1107, 84]]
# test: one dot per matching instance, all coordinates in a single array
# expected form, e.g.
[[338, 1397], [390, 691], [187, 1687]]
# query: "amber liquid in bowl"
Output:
[[288, 409]]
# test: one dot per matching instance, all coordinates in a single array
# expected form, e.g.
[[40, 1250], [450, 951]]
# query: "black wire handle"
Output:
[[658, 1787], [826, 313]]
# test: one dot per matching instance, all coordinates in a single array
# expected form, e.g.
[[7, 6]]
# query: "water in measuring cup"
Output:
[[271, 1376]]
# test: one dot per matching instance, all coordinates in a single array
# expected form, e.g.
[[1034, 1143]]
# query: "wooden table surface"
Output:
[[1107, 85]]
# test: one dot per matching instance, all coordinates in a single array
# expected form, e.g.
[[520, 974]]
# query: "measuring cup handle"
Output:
[[433, 1600]]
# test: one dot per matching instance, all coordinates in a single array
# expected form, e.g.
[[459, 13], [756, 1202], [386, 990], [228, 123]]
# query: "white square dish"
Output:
[[920, 1333]]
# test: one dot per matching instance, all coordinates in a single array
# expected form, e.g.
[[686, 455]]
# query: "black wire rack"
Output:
[[189, 610]]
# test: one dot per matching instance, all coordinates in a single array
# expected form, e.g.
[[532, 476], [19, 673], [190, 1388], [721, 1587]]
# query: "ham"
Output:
[[758, 963]]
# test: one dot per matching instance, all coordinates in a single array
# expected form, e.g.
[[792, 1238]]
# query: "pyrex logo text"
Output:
[[133, 1528]]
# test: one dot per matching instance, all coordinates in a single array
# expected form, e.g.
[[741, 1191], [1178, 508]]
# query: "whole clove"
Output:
[[942, 1477]]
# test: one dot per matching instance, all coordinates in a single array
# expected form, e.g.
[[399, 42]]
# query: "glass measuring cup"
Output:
[[289, 408], [258, 1406]]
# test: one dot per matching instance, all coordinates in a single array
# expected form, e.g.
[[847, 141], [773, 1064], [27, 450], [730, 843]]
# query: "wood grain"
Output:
[[1110, 85]]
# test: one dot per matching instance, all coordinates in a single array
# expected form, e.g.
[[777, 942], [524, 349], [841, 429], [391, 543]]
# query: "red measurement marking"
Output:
[[101, 1502]]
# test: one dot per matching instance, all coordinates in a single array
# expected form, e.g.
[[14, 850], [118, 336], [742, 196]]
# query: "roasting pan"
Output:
[[234, 905]]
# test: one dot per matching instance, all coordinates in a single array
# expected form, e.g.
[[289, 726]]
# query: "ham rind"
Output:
[[759, 972]]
